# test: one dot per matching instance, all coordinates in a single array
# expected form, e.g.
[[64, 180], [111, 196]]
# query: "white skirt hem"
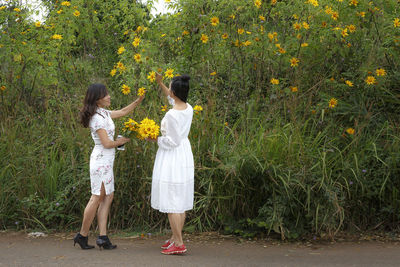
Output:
[[171, 211]]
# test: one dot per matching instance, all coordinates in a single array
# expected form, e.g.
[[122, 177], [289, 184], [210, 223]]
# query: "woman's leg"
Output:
[[102, 213], [175, 221], [89, 213]]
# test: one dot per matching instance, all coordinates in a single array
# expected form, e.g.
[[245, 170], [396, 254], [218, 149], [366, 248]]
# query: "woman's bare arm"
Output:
[[126, 110], [107, 143], [161, 84]]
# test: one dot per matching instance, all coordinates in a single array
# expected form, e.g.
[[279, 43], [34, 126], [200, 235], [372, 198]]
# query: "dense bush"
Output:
[[299, 132]]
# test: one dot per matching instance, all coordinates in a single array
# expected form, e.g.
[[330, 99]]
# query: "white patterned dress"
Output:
[[172, 187], [102, 159]]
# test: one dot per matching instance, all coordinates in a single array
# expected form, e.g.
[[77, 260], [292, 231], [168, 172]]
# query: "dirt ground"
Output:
[[209, 249]]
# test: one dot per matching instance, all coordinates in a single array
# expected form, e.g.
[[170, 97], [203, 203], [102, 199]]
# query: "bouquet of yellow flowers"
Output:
[[147, 128]]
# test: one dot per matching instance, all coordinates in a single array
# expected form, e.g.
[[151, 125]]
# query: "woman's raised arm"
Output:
[[126, 110], [161, 84]]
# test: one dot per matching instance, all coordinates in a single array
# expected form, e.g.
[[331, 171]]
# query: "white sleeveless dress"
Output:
[[172, 188], [102, 159]]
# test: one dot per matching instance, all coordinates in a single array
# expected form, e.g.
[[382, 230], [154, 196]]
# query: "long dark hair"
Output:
[[180, 87], [95, 92]]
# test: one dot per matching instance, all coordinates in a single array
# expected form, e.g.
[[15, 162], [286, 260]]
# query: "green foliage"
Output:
[[270, 159]]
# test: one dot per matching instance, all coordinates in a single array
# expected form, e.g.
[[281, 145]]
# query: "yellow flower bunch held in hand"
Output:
[[146, 129]]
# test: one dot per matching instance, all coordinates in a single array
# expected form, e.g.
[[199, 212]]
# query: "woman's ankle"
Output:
[[178, 244]]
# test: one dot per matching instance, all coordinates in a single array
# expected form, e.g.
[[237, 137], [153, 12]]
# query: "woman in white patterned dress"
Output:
[[102, 128], [172, 188]]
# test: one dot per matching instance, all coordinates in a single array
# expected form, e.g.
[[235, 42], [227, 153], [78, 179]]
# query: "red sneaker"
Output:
[[174, 249], [166, 244]]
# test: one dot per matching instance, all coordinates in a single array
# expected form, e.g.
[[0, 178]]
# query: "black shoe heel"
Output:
[[82, 241], [105, 243]]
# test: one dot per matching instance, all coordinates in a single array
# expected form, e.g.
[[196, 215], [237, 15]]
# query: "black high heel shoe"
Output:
[[103, 242], [82, 241]]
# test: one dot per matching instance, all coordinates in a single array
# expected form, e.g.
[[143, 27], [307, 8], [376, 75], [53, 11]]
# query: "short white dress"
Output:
[[172, 187], [102, 159]]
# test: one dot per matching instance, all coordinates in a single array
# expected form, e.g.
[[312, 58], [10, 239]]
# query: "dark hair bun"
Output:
[[185, 78]]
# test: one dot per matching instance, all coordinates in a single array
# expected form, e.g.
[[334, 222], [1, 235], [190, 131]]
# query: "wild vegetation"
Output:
[[296, 130]]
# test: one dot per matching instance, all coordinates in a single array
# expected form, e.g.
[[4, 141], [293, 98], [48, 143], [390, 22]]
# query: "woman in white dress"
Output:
[[172, 189], [102, 128]]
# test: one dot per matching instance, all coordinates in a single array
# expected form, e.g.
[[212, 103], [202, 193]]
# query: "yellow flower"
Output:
[[247, 43], [197, 109], [304, 44], [24, 43], [169, 73], [59, 11], [2, 7], [137, 57], [77, 13], [350, 131], [185, 33], [240, 31], [121, 50], [396, 22], [56, 37], [351, 28], [136, 42], [113, 72], [344, 33], [353, 3], [282, 51], [306, 25], [214, 21], [125, 89], [262, 18], [164, 108], [148, 129], [225, 36], [131, 125], [313, 2], [297, 26], [380, 72], [274, 81], [257, 3], [126, 32], [213, 73], [333, 102], [152, 76], [294, 62], [349, 83], [273, 2], [294, 89], [38, 24], [370, 80], [3, 87], [328, 10], [17, 9], [66, 3], [121, 67], [361, 14], [232, 16], [141, 91], [335, 15], [204, 38], [167, 1]]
